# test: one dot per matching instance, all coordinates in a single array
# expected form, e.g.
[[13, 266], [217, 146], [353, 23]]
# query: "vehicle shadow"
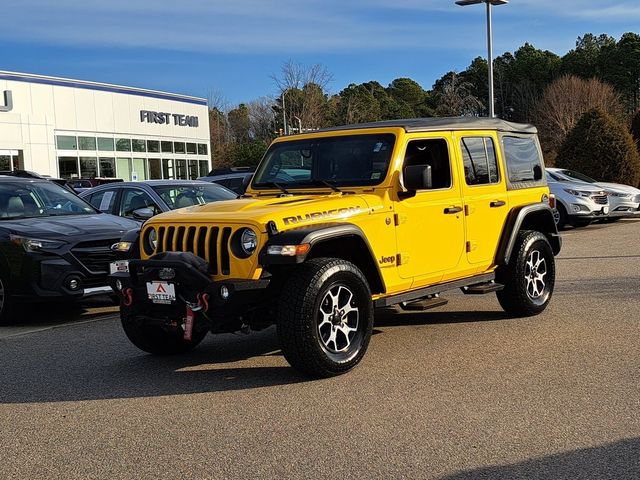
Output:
[[96, 361], [57, 313], [619, 460]]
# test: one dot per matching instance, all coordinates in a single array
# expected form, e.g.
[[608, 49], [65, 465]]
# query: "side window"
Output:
[[234, 184], [433, 152], [103, 200], [133, 199], [523, 159], [480, 162]]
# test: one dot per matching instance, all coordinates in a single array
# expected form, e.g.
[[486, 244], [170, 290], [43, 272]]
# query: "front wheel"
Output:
[[159, 340], [529, 278], [325, 317]]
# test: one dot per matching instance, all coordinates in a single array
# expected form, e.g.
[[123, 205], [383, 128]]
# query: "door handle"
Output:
[[452, 210], [497, 203]]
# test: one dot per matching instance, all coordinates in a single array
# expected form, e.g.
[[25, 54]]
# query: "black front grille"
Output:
[[600, 199], [95, 256]]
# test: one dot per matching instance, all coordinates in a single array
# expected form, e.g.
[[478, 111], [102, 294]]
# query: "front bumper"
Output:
[[225, 298]]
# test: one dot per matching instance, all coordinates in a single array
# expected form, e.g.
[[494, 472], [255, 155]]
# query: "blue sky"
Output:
[[233, 47]]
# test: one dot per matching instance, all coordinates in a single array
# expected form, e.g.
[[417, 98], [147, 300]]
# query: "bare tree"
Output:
[[262, 119], [454, 98], [563, 104]]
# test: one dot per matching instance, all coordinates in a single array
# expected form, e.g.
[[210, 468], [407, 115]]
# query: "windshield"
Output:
[[39, 199], [335, 161], [578, 176], [180, 196]]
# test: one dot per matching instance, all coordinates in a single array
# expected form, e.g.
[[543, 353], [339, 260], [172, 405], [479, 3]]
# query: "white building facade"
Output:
[[78, 129]]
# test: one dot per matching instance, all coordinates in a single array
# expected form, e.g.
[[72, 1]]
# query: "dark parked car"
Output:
[[82, 184], [53, 245], [236, 179], [28, 174], [142, 200]]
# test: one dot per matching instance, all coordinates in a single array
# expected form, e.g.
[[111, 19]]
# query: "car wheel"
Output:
[[6, 302], [561, 220], [159, 340], [529, 278], [325, 317]]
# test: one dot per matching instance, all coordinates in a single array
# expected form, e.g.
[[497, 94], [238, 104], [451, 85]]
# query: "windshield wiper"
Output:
[[326, 183], [273, 184]]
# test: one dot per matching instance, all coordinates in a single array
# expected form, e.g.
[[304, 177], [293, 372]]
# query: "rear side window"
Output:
[[480, 163], [523, 159], [103, 201]]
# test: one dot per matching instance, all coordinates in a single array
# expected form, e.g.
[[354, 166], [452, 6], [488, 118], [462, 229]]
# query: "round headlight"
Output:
[[153, 239], [248, 241]]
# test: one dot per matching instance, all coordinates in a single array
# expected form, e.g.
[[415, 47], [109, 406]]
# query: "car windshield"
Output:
[[332, 161], [180, 196], [578, 176], [39, 199]]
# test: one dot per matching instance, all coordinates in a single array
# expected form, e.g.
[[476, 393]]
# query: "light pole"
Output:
[[284, 113], [490, 3]]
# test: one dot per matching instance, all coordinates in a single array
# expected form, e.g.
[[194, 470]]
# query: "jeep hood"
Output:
[[284, 211]]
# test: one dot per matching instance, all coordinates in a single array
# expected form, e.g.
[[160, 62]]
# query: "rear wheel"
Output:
[[160, 340], [561, 221], [529, 278], [325, 317]]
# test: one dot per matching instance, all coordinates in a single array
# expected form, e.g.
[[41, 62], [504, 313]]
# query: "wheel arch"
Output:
[[535, 216], [337, 240]]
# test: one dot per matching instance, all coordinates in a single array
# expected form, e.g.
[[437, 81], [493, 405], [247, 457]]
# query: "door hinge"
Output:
[[402, 259], [399, 219], [471, 246]]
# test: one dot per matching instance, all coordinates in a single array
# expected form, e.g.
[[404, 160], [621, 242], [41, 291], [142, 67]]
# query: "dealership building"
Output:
[[79, 129]]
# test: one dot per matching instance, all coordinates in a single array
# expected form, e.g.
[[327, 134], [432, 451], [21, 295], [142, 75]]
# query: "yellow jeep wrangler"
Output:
[[339, 222]]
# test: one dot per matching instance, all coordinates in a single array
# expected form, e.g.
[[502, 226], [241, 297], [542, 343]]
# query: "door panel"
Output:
[[485, 196], [430, 225]]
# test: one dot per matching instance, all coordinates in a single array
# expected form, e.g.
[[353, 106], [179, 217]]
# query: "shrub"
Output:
[[602, 148]]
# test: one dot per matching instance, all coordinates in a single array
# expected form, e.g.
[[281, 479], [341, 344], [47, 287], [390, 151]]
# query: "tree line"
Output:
[[531, 86]]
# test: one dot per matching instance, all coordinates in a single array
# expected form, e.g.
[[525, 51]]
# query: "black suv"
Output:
[[53, 245]]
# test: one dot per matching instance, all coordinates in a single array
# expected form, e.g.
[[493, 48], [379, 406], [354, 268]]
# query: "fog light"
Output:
[[74, 284], [118, 284], [224, 292]]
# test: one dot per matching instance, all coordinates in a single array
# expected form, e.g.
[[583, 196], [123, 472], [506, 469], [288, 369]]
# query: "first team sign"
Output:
[[164, 118]]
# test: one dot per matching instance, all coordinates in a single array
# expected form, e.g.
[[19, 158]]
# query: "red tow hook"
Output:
[[203, 301], [127, 293]]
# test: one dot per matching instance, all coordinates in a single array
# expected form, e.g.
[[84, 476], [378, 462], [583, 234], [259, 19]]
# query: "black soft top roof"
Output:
[[443, 123]]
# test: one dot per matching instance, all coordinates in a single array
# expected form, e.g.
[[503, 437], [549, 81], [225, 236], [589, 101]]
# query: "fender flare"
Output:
[[514, 224]]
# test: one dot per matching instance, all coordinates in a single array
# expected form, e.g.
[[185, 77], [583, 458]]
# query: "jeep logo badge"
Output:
[[8, 102]]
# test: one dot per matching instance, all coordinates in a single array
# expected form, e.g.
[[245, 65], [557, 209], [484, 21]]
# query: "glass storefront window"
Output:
[[86, 143], [88, 167], [106, 144], [153, 146], [181, 169], [107, 167], [5, 162], [139, 145], [167, 168], [66, 142], [202, 149], [178, 147], [155, 169], [139, 168], [167, 147], [123, 145], [68, 167], [204, 168], [191, 148], [123, 168], [193, 169]]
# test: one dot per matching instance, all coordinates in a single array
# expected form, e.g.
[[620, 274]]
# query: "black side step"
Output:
[[425, 304], [482, 288]]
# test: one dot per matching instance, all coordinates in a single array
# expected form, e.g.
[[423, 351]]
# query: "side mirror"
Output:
[[143, 213], [418, 177]]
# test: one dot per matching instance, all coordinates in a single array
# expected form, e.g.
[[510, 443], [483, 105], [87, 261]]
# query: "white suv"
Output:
[[578, 203]]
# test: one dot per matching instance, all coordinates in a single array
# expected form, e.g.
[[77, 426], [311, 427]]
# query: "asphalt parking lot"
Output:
[[461, 392]]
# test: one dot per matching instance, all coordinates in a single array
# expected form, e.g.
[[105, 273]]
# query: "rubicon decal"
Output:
[[309, 217]]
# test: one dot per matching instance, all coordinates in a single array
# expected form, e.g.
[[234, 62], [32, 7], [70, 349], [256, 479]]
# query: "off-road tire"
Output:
[[516, 298], [302, 323], [156, 340], [6, 301]]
